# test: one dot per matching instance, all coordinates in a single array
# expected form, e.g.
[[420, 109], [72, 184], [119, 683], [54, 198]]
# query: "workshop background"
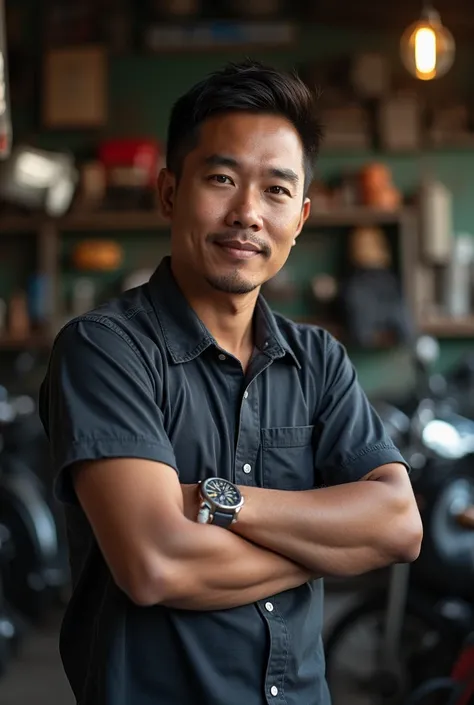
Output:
[[385, 262]]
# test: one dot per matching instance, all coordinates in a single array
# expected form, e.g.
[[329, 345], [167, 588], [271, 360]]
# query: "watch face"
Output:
[[222, 492]]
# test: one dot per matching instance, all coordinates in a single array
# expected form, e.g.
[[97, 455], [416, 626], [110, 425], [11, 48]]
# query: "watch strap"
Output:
[[222, 519]]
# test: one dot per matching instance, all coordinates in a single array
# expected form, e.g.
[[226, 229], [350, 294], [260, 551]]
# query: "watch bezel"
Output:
[[216, 505]]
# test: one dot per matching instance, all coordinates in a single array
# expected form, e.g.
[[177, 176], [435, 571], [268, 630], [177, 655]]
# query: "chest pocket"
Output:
[[288, 458]]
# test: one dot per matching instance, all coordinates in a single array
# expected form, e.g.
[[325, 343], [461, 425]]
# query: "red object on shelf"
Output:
[[144, 155]]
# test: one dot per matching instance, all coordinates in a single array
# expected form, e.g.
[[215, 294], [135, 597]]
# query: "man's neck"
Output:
[[227, 317]]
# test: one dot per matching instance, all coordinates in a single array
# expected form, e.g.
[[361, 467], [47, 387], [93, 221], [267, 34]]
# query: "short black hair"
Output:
[[247, 86]]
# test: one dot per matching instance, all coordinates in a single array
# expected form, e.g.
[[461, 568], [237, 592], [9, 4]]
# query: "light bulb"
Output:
[[427, 48]]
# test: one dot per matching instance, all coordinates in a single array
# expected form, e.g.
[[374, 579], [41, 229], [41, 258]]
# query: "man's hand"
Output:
[[190, 501]]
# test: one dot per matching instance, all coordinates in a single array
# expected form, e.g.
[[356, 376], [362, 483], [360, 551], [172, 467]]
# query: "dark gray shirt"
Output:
[[142, 377]]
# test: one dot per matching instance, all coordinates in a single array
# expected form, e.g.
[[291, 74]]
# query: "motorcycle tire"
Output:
[[4, 654], [430, 645]]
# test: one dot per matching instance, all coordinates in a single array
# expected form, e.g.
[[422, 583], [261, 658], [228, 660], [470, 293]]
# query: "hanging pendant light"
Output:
[[427, 48]]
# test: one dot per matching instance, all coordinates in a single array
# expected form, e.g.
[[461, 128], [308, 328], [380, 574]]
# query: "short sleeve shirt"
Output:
[[142, 377]]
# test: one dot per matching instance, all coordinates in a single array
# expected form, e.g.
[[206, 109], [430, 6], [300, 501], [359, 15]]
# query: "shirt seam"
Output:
[[329, 347], [273, 326], [137, 439], [106, 322], [369, 449], [132, 312], [287, 651]]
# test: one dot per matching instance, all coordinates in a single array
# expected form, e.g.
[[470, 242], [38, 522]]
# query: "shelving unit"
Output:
[[151, 220], [34, 341], [330, 229], [50, 232], [449, 328]]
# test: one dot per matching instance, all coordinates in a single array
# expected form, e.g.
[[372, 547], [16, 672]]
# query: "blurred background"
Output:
[[386, 263]]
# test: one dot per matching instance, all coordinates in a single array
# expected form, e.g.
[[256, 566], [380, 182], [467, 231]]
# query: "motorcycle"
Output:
[[38, 570], [415, 626], [458, 688], [6, 626]]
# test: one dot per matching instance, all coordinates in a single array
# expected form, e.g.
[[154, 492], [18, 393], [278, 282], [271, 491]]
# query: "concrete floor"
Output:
[[36, 676]]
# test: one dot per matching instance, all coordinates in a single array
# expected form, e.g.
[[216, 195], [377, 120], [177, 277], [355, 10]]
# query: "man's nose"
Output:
[[244, 214]]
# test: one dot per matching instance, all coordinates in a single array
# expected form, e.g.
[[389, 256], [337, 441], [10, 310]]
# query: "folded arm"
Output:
[[157, 555], [343, 530], [111, 453], [352, 525]]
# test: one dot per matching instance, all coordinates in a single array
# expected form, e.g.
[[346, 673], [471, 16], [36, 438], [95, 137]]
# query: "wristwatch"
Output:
[[221, 502]]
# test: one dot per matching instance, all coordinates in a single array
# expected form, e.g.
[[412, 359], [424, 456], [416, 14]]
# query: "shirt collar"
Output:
[[186, 336]]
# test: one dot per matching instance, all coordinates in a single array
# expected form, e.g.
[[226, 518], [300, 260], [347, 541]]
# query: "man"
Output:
[[189, 592]]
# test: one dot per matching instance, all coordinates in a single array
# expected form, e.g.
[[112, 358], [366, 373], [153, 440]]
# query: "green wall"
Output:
[[143, 88]]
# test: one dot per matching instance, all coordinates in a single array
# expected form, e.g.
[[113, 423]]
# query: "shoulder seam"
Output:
[[106, 322]]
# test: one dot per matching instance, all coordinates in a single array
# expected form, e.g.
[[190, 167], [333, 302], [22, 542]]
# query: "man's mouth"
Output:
[[239, 250]]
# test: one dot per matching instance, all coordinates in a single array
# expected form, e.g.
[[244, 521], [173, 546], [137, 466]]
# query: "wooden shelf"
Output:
[[449, 327], [34, 341], [12, 224], [358, 215], [152, 220], [338, 331], [99, 221], [114, 220], [332, 327], [112, 223]]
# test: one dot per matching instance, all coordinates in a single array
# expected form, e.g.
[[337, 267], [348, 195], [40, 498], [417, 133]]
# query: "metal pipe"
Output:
[[5, 112]]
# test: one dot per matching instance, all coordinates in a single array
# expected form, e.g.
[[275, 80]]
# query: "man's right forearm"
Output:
[[213, 569]]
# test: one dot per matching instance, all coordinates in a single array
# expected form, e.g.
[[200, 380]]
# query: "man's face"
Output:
[[239, 203]]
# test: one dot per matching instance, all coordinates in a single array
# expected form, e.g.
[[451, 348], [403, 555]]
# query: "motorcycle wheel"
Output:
[[4, 652], [429, 646]]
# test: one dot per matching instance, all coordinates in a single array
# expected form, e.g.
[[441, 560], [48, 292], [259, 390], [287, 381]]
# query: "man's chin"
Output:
[[233, 283]]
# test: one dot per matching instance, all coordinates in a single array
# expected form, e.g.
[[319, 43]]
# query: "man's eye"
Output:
[[221, 178], [279, 190]]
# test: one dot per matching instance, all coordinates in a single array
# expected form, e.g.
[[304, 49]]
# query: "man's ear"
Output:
[[305, 211], [166, 192]]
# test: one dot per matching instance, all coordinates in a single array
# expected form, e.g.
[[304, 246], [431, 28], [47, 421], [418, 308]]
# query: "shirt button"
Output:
[[269, 606], [246, 394], [221, 357], [274, 690], [247, 468]]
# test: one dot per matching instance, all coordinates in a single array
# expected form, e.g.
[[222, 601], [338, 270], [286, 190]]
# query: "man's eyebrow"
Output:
[[278, 172], [221, 160], [285, 174]]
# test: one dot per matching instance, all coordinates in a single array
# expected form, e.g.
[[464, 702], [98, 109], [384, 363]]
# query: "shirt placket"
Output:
[[248, 432], [279, 646], [246, 454]]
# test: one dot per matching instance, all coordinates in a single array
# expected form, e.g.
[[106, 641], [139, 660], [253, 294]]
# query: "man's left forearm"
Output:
[[343, 530]]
